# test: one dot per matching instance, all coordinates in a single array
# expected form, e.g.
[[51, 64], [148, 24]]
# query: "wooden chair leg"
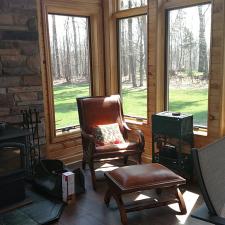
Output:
[[139, 158], [83, 163], [93, 177], [182, 205], [121, 208], [108, 196]]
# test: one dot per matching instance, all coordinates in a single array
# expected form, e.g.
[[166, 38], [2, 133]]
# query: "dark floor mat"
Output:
[[40, 211], [16, 218]]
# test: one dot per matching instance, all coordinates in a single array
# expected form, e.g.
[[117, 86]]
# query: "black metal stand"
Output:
[[31, 122], [170, 133]]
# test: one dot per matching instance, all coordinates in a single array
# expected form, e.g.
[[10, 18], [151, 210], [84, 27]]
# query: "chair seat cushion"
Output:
[[144, 176], [116, 147]]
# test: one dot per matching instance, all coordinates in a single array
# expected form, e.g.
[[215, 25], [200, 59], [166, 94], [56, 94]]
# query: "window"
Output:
[[70, 67], [133, 65], [128, 4], [71, 42], [188, 52]]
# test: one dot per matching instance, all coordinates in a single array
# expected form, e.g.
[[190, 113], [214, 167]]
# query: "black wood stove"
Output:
[[12, 165], [12, 173]]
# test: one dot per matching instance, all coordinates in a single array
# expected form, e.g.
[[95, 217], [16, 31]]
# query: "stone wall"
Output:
[[20, 76]]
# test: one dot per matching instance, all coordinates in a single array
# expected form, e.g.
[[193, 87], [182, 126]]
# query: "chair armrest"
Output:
[[126, 127], [138, 133]]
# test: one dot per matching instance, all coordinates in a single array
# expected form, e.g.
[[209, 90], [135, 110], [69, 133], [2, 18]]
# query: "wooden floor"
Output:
[[89, 209]]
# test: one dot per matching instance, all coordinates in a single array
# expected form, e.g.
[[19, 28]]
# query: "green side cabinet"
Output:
[[172, 140]]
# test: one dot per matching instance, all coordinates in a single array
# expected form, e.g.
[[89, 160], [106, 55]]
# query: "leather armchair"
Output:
[[94, 111]]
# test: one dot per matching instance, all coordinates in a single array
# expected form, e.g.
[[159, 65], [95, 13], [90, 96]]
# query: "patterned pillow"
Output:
[[108, 134]]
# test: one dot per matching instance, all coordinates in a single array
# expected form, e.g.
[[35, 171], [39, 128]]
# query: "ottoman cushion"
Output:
[[144, 176]]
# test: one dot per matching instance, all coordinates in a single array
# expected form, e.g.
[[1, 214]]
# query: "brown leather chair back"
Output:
[[95, 111]]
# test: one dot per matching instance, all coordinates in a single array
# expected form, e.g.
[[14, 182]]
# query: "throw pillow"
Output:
[[108, 134]]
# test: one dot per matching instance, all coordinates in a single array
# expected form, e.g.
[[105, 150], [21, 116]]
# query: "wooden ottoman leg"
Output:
[[108, 196], [121, 207], [182, 205], [158, 191], [125, 159]]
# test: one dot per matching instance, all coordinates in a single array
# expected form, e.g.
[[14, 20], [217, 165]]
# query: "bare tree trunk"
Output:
[[55, 50], [179, 39], [131, 57], [68, 60], [80, 55], [144, 30], [203, 61], [75, 47], [190, 63], [63, 56], [87, 54], [123, 64], [141, 52], [53, 55]]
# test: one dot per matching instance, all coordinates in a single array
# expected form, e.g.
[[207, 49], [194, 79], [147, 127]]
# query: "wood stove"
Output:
[[12, 173]]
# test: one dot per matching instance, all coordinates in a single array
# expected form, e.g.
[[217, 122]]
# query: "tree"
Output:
[[141, 49], [123, 58], [56, 62], [203, 59], [68, 60], [75, 47], [188, 45], [86, 53], [131, 56]]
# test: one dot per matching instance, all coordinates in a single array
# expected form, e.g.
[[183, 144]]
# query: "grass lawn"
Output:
[[190, 101], [66, 113], [135, 102]]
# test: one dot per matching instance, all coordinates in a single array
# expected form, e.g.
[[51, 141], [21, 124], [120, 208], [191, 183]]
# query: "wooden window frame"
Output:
[[174, 6], [116, 16], [88, 9]]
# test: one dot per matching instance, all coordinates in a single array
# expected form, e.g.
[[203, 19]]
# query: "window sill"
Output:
[[135, 121], [65, 136], [201, 132]]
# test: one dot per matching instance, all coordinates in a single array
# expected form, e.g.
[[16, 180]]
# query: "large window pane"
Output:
[[128, 4], [133, 61], [188, 52], [70, 63]]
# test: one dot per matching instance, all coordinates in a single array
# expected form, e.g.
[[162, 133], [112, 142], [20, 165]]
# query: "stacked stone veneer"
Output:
[[20, 76]]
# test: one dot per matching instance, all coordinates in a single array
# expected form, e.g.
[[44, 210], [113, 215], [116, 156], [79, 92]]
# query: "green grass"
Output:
[[190, 101], [135, 103], [66, 113]]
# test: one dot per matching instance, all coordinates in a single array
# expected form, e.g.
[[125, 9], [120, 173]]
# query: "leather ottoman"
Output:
[[130, 179]]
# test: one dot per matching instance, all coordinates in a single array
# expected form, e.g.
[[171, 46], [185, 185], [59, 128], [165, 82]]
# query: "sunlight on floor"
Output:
[[106, 167], [141, 197], [190, 200]]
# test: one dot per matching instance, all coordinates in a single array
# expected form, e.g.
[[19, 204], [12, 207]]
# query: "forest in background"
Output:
[[70, 49], [188, 47], [189, 43]]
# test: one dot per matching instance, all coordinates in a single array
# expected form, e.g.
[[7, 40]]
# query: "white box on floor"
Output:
[[67, 186]]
